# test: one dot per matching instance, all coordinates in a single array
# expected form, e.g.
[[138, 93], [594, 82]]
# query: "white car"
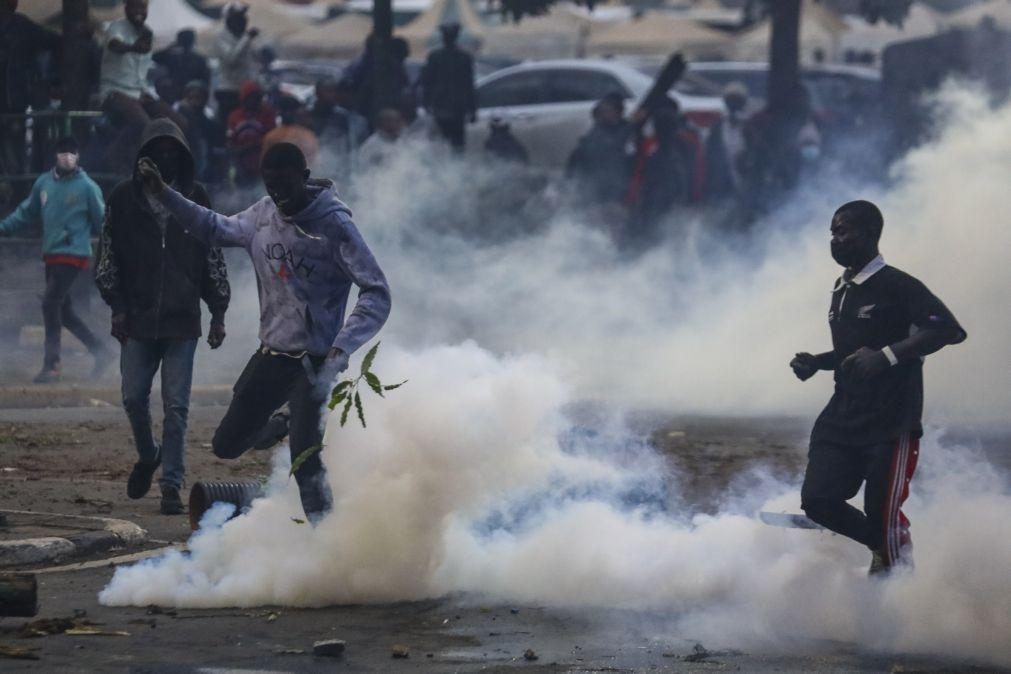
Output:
[[548, 104]]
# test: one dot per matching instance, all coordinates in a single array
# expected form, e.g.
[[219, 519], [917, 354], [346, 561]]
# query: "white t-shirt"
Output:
[[126, 73]]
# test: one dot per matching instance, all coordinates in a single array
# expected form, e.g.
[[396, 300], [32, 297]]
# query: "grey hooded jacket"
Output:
[[304, 265]]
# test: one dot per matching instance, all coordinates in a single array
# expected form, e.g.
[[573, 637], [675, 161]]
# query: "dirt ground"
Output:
[[75, 460]]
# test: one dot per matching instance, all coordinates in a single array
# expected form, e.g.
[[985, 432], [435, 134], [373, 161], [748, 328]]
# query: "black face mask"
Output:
[[847, 253]]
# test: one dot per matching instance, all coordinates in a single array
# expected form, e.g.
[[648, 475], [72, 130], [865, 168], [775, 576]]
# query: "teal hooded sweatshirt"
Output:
[[71, 210]]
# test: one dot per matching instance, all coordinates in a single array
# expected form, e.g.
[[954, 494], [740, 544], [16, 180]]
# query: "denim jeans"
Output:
[[139, 361]]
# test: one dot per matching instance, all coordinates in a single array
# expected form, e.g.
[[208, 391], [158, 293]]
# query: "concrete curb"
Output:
[[109, 534]]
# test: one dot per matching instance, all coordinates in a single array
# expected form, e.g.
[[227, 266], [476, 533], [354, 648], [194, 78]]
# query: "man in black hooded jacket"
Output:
[[153, 276]]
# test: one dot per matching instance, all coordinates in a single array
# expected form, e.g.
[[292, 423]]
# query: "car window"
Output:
[[573, 85], [522, 88]]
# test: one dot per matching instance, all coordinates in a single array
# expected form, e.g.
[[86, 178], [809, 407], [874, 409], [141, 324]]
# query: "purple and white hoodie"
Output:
[[304, 265]]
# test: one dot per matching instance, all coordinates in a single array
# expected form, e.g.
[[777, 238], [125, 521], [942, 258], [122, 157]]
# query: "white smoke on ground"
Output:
[[471, 478], [464, 482]]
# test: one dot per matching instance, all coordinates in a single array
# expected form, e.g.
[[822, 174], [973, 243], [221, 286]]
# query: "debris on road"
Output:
[[95, 632], [331, 648], [17, 653], [401, 652], [529, 655], [699, 654], [46, 627]]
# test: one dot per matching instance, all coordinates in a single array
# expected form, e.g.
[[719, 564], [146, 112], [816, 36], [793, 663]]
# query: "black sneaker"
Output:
[[48, 375], [879, 566], [171, 504], [139, 482], [275, 430]]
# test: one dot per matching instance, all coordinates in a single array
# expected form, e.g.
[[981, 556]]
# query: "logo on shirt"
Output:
[[865, 311], [290, 265]]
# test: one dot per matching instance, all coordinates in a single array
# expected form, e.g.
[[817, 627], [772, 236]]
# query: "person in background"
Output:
[[69, 205], [307, 255], [447, 84], [202, 131], [726, 145], [383, 145], [338, 126], [126, 96], [22, 42], [502, 144], [600, 165], [237, 62], [884, 323], [248, 125], [295, 128], [182, 61], [166, 87], [153, 277], [667, 172]]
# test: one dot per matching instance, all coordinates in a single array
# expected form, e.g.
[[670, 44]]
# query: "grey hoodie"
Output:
[[305, 266]]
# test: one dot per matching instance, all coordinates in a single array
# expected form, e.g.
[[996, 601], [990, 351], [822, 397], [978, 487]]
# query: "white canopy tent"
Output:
[[658, 33], [821, 31], [343, 37], [560, 33], [922, 21]]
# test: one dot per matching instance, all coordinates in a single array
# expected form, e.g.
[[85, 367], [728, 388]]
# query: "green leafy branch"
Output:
[[345, 395], [347, 392]]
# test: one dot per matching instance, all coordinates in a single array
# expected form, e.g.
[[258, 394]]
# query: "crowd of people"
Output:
[[160, 254]]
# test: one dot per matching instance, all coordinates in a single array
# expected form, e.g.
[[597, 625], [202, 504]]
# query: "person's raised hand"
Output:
[[804, 366], [150, 176], [216, 335], [865, 363]]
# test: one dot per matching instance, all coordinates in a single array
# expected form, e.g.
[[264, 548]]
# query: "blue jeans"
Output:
[[139, 361]]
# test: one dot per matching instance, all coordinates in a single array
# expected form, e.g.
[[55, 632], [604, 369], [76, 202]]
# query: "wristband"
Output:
[[890, 355]]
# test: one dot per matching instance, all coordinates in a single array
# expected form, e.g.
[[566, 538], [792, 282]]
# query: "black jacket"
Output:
[[157, 276], [448, 83]]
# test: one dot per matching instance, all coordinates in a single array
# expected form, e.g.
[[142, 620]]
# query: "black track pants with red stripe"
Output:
[[834, 475]]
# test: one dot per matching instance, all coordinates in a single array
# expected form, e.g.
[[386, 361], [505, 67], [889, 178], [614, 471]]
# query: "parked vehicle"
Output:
[[548, 104], [834, 88]]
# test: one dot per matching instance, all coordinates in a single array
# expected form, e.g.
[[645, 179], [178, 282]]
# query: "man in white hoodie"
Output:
[[307, 253]]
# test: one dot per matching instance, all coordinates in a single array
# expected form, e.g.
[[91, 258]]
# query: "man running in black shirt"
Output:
[[883, 323]]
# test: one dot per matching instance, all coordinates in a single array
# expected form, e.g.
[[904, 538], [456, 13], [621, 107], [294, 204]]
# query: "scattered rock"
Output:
[[290, 651], [698, 654], [401, 652], [47, 627], [272, 617], [514, 611], [331, 648], [529, 655], [158, 610]]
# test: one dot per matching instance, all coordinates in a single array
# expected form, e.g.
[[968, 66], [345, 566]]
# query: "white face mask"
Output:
[[66, 161]]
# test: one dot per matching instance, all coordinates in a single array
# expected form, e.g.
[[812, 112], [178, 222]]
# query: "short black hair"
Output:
[[67, 144], [863, 214], [284, 156]]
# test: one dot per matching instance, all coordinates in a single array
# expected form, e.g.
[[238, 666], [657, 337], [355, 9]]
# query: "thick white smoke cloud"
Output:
[[472, 479]]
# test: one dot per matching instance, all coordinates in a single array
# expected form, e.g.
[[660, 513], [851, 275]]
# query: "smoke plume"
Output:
[[476, 477]]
